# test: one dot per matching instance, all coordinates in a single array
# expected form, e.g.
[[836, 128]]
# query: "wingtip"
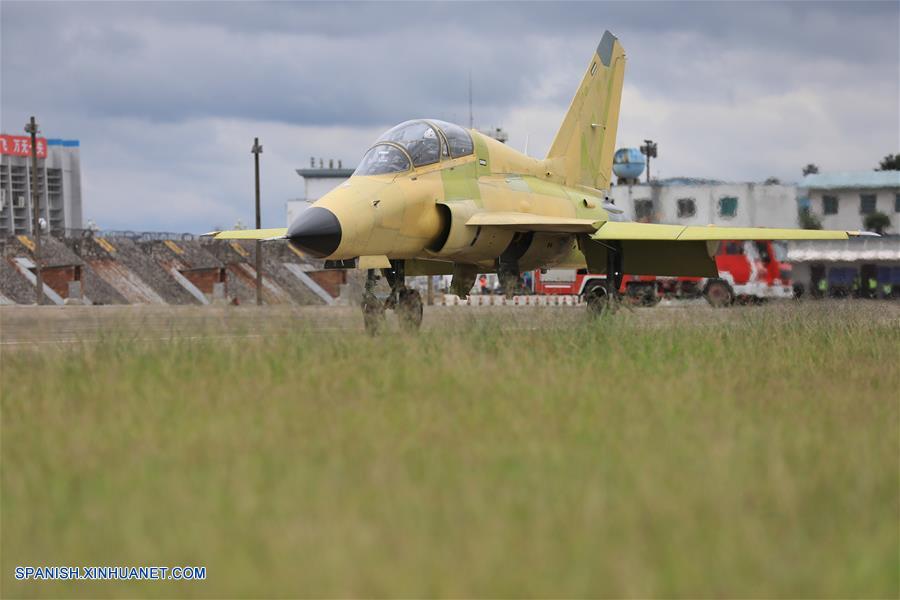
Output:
[[864, 234], [210, 234]]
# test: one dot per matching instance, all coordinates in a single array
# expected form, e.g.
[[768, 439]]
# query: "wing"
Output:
[[517, 221], [677, 250], [249, 234], [650, 231]]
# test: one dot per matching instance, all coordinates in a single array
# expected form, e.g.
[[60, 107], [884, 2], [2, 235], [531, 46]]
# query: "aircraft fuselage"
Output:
[[421, 213]]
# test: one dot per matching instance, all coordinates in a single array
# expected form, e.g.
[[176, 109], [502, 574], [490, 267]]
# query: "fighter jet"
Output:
[[430, 197]]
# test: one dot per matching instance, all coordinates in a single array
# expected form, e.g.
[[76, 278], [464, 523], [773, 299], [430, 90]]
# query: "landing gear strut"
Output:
[[508, 263], [406, 302], [463, 279], [605, 299], [508, 274]]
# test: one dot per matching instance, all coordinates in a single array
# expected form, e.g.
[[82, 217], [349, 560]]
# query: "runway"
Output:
[[26, 326]]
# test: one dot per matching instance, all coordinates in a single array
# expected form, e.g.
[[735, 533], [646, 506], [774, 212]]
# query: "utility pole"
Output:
[[256, 151], [32, 128], [648, 150]]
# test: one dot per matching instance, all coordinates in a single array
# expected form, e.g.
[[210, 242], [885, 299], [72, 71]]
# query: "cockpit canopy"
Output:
[[424, 142]]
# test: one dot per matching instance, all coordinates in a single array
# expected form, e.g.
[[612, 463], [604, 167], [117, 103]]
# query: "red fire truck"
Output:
[[748, 271]]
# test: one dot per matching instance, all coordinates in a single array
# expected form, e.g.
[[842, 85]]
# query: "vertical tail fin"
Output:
[[583, 148]]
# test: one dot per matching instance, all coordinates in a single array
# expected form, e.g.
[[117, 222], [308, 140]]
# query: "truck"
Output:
[[749, 271]]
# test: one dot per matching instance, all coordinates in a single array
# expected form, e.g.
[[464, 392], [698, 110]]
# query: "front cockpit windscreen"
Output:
[[458, 138], [383, 158], [420, 139]]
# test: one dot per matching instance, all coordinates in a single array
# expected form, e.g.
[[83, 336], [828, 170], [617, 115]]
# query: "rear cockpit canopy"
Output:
[[424, 142]]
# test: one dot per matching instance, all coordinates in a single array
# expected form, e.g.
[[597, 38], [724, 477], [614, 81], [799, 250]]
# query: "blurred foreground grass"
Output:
[[757, 457]]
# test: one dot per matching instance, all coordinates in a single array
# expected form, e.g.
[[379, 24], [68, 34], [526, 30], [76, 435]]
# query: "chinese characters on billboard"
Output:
[[20, 145]]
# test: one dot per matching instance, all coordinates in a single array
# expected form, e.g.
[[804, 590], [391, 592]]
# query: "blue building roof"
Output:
[[850, 180], [688, 181]]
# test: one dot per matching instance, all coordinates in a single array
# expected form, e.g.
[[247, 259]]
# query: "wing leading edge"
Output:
[[691, 233], [249, 234], [627, 230]]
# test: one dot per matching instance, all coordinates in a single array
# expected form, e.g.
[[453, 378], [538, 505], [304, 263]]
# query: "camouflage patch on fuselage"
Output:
[[545, 188], [461, 183]]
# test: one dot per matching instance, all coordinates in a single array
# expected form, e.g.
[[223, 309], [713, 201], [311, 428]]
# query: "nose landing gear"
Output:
[[405, 302], [372, 307]]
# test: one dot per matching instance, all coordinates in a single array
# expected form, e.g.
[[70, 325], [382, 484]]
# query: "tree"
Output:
[[808, 220], [891, 162], [877, 222], [810, 169], [772, 181]]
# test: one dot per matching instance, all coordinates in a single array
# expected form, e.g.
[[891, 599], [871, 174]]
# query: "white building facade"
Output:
[[684, 202], [843, 200], [59, 185]]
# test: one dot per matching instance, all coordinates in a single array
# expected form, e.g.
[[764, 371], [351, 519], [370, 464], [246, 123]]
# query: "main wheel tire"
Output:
[[373, 315], [633, 300], [650, 298], [719, 294], [409, 309], [642, 294], [597, 299]]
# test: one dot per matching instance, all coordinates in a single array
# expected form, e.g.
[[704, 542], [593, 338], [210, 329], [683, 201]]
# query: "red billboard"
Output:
[[20, 145]]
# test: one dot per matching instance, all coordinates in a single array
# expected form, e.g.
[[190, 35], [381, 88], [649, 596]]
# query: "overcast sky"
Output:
[[167, 97]]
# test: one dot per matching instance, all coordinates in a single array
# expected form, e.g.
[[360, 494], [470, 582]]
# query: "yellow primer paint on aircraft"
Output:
[[430, 197]]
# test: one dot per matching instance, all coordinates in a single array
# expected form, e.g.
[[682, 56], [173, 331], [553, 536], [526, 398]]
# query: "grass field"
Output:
[[751, 453]]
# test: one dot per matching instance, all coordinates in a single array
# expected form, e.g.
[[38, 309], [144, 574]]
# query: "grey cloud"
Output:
[[366, 63], [171, 72]]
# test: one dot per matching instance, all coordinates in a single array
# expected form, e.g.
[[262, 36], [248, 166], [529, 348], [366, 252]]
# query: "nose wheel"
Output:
[[404, 301], [372, 306]]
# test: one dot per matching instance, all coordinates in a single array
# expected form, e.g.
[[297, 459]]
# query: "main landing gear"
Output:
[[404, 301], [604, 298]]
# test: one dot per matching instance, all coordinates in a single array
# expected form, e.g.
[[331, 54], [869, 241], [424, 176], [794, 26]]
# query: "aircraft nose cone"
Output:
[[316, 231]]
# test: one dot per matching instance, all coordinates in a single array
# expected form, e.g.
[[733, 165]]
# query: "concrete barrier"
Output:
[[515, 301]]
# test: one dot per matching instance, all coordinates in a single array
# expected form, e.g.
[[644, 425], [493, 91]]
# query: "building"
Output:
[[843, 200], [317, 181], [59, 184], [685, 201], [196, 270], [68, 278], [867, 267]]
